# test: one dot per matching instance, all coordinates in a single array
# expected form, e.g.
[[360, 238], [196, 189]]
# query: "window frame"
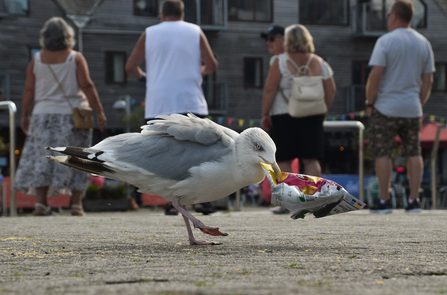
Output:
[[348, 15], [27, 14], [253, 20], [152, 14], [246, 85], [437, 65], [363, 63], [106, 80], [5, 85], [424, 26]]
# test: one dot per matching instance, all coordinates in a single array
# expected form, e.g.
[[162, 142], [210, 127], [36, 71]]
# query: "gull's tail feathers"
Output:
[[82, 153], [86, 165]]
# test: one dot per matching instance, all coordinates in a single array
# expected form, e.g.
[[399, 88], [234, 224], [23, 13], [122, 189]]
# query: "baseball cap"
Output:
[[273, 30]]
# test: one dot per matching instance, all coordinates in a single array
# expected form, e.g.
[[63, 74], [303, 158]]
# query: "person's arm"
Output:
[[427, 82], [270, 89], [372, 86], [89, 89], [28, 97], [329, 91], [136, 58], [209, 61]]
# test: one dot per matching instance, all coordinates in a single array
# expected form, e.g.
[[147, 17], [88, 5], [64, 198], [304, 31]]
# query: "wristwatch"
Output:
[[368, 105]]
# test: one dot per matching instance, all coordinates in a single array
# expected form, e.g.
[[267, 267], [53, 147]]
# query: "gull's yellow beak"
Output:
[[277, 171], [273, 168]]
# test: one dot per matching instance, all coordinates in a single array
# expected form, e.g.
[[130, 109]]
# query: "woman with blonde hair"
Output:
[[300, 138], [51, 121]]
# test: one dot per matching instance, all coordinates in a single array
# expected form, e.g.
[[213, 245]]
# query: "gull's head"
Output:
[[254, 146]]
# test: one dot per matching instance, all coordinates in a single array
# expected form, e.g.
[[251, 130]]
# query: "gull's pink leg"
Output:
[[214, 231], [192, 240]]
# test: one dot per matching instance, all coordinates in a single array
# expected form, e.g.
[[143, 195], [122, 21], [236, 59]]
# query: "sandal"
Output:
[[77, 210], [42, 210]]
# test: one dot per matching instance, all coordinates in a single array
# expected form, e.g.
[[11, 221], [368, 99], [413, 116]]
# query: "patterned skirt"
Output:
[[36, 170]]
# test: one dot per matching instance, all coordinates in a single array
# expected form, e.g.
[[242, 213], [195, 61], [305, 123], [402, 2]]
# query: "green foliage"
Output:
[[135, 119], [4, 148], [119, 191], [93, 192]]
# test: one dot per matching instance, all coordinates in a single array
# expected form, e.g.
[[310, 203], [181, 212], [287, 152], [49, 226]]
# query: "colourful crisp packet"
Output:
[[304, 194]]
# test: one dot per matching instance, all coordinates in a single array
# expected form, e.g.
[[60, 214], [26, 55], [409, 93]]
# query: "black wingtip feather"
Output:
[[82, 153], [88, 165]]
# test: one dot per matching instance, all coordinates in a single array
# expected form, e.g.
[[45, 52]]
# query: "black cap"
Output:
[[272, 31]]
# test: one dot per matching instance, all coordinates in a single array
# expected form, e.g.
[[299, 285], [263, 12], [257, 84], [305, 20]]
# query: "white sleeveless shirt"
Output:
[[48, 97], [173, 62]]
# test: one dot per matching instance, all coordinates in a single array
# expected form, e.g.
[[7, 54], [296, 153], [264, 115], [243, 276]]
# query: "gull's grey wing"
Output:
[[162, 155], [190, 128]]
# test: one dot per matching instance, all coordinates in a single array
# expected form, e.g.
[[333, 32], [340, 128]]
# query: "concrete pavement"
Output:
[[146, 252]]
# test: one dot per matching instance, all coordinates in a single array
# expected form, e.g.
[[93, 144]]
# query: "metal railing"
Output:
[[434, 154], [358, 125], [12, 162]]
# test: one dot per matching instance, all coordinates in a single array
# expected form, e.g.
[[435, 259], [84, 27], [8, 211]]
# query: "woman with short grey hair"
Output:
[[302, 137], [57, 35], [50, 123]]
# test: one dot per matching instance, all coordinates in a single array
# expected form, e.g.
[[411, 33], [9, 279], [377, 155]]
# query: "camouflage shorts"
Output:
[[383, 131]]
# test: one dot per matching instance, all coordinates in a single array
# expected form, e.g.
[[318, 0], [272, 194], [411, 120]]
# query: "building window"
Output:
[[375, 14], [355, 93], [190, 11], [420, 14], [253, 72], [15, 7], [33, 51], [439, 78], [145, 7], [115, 68], [324, 12], [250, 10]]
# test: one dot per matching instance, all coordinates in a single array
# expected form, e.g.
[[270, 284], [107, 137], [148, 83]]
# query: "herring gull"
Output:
[[184, 159]]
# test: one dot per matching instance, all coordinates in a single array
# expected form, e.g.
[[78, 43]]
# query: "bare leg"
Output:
[[214, 231], [383, 173], [415, 170], [40, 208], [192, 240], [76, 198], [285, 166], [42, 195], [312, 167]]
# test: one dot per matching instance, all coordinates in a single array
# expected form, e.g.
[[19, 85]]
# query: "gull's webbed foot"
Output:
[[213, 231]]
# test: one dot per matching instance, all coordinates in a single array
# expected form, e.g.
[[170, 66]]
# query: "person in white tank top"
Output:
[[175, 64], [177, 55]]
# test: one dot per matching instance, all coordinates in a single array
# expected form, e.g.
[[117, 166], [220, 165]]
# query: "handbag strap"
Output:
[[57, 81], [302, 70]]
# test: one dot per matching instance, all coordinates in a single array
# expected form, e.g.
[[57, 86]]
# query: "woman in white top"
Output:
[[300, 138], [51, 120]]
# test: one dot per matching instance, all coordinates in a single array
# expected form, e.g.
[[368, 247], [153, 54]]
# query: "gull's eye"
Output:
[[258, 147]]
